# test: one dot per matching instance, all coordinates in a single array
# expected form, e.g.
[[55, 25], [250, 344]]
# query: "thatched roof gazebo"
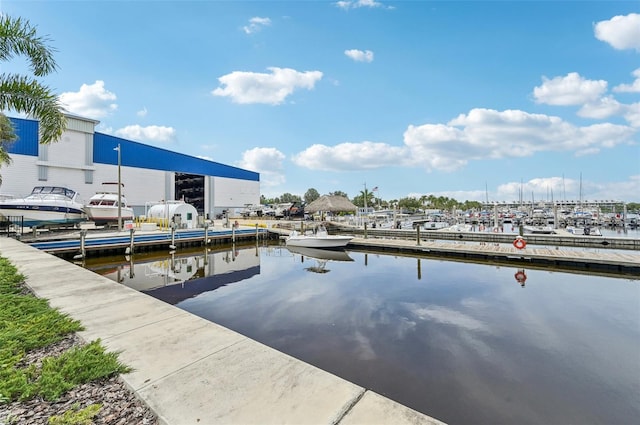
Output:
[[330, 203]]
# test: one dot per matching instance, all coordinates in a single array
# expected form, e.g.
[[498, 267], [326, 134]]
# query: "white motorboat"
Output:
[[103, 207], [318, 238], [321, 254], [539, 230], [45, 206], [584, 231]]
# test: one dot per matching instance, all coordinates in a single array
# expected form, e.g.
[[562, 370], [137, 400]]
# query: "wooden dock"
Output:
[[601, 259], [606, 262]]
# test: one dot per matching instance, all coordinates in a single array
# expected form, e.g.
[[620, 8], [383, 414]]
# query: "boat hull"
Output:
[[331, 241], [321, 254], [43, 215], [102, 215]]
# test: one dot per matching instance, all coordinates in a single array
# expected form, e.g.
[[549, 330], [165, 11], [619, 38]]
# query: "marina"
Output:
[[387, 314], [455, 339], [605, 254]]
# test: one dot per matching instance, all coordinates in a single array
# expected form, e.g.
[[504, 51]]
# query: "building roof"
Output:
[[330, 203]]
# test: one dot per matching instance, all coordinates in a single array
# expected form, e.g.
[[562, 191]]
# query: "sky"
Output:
[[472, 100]]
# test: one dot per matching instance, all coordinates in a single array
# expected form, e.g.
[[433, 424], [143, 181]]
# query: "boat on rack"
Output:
[[317, 238], [45, 206], [102, 208]]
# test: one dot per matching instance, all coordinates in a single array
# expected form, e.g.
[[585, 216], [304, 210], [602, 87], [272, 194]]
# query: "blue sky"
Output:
[[465, 99]]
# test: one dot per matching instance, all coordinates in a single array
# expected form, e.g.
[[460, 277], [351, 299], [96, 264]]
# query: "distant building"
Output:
[[83, 159]]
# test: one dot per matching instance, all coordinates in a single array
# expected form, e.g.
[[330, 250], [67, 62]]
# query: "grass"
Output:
[[28, 323]]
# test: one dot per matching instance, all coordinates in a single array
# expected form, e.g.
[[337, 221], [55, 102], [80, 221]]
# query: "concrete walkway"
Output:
[[191, 371]]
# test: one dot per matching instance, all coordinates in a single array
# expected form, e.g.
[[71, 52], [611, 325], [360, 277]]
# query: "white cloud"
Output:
[[251, 87], [480, 134], [601, 108], [449, 316], [350, 156], [152, 133], [360, 55], [632, 115], [142, 112], [561, 188], [621, 32], [355, 4], [630, 88], [571, 89], [268, 162], [92, 101], [547, 188], [256, 24]]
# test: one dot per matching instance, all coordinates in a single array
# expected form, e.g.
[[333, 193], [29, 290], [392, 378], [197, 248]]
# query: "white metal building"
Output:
[[83, 159]]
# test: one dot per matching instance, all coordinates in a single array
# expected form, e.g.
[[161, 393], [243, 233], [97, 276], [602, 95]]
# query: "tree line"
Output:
[[368, 198]]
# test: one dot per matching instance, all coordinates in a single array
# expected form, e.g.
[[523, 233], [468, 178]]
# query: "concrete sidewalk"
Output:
[[192, 371]]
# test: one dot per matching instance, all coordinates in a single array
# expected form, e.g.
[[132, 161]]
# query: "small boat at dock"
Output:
[[318, 238]]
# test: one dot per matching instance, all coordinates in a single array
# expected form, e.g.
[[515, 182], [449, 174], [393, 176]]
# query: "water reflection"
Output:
[[462, 342], [175, 276], [321, 257]]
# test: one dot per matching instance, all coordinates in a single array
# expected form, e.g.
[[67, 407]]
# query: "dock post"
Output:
[[257, 233], [206, 233], [233, 234], [131, 231], [365, 230], [173, 236], [418, 235], [83, 236]]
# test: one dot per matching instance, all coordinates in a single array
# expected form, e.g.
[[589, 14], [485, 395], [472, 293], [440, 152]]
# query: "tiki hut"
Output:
[[330, 203]]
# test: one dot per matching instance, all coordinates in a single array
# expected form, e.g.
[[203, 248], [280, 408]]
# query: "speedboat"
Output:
[[584, 231], [539, 230], [45, 206], [321, 254], [103, 207], [319, 238]]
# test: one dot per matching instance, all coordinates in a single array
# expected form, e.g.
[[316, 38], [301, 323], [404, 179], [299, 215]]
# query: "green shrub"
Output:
[[74, 416]]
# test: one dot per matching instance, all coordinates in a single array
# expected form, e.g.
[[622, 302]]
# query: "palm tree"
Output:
[[7, 136], [25, 94]]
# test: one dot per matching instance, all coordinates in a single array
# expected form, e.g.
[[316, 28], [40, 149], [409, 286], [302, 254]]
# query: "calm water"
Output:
[[462, 342]]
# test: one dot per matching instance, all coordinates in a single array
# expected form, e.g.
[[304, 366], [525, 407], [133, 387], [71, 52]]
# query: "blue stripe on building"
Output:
[[134, 154], [27, 132]]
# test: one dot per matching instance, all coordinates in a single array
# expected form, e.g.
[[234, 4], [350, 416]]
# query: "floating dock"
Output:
[[596, 257], [603, 255], [89, 243], [609, 263]]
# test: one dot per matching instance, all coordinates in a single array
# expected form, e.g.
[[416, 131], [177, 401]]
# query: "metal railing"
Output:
[[12, 226]]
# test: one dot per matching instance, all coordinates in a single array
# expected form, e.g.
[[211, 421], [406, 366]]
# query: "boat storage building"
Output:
[[83, 159]]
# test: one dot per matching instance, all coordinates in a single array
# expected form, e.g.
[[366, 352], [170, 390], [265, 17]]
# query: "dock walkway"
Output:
[[601, 261], [192, 371]]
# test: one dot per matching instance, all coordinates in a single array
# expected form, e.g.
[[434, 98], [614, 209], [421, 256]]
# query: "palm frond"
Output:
[[18, 37], [27, 95]]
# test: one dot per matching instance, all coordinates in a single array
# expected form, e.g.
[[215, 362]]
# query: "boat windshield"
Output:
[[53, 190]]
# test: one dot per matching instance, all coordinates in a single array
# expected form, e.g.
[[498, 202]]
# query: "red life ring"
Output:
[[521, 278], [520, 243]]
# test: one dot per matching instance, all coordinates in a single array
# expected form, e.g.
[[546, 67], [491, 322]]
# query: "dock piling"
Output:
[[131, 231]]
